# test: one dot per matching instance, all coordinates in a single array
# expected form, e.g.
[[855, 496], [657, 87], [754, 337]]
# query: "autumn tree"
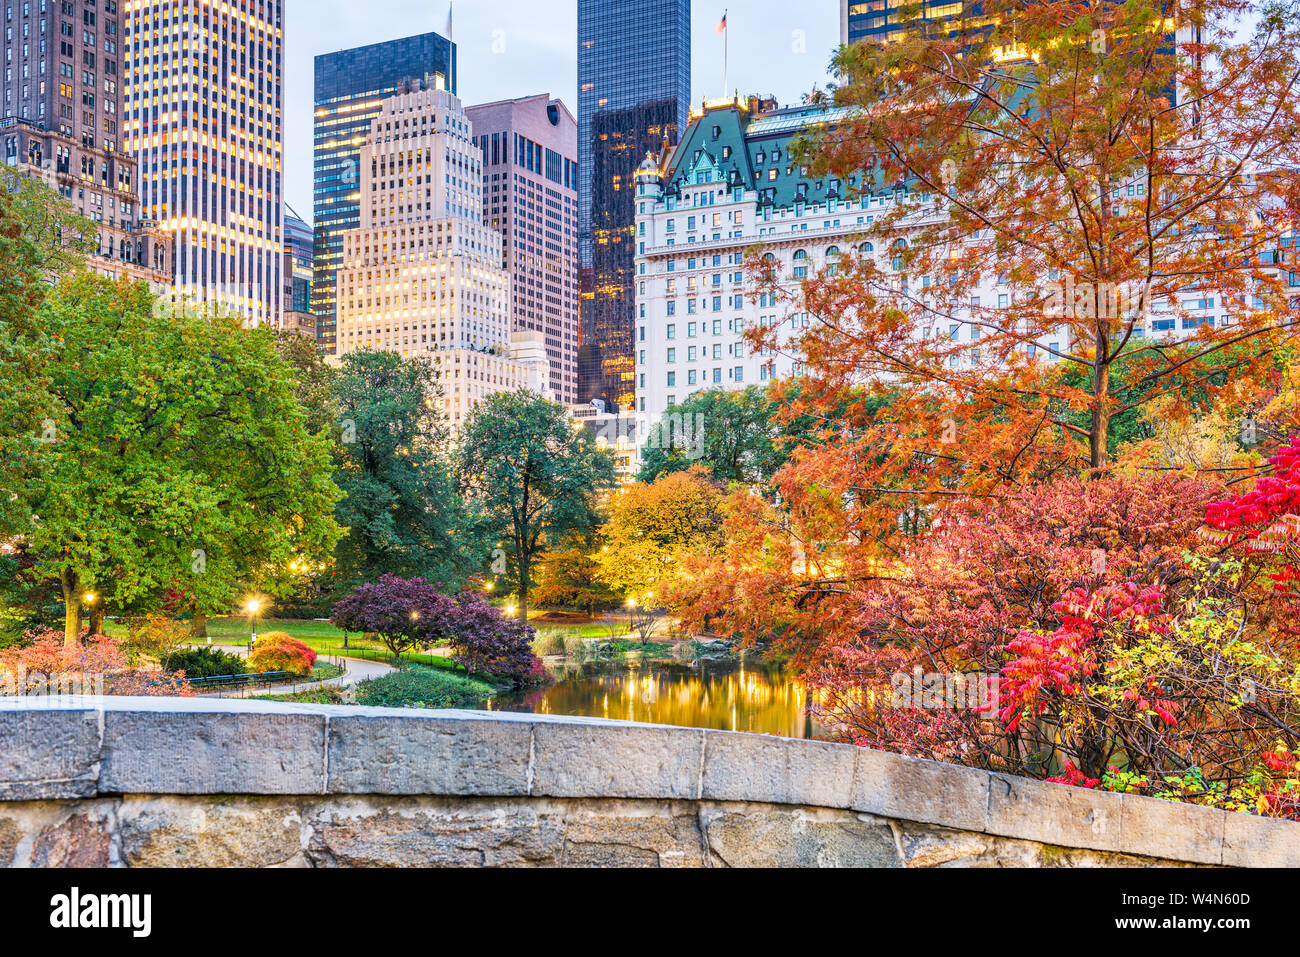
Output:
[[1064, 184], [1053, 190], [569, 577], [536, 478], [652, 527]]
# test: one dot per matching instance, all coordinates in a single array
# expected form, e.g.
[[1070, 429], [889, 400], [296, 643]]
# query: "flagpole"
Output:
[[726, 38]]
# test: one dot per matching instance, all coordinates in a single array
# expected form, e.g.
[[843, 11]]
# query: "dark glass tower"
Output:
[[351, 86], [634, 91]]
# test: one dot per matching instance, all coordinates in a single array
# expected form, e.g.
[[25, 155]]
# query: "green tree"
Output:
[[535, 477], [742, 435], [169, 454], [312, 379], [57, 238], [401, 507]]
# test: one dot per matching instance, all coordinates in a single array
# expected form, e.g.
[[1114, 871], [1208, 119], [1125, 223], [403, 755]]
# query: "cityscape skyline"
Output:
[[538, 54]]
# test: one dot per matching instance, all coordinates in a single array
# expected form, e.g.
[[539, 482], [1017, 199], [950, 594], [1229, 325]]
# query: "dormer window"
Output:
[[717, 131], [760, 157]]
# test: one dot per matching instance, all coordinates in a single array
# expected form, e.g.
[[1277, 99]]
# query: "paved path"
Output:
[[358, 670]]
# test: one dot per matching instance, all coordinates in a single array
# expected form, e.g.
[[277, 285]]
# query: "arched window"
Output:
[[866, 248], [801, 264], [899, 246]]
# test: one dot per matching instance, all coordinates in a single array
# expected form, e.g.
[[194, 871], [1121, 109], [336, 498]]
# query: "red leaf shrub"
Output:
[[412, 613], [1265, 522], [44, 664], [278, 651]]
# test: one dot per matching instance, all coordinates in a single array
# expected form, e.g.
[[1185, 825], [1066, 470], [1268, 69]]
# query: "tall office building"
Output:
[[351, 86], [201, 111], [298, 243], [423, 275], [62, 109], [530, 194], [634, 90]]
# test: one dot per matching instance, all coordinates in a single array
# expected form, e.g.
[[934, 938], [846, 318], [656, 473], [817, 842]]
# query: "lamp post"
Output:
[[631, 607], [253, 607]]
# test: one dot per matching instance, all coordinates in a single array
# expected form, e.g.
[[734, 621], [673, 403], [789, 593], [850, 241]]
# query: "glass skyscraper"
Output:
[[634, 91], [351, 87]]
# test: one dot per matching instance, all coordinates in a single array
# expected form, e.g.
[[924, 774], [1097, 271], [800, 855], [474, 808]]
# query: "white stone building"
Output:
[[424, 275]]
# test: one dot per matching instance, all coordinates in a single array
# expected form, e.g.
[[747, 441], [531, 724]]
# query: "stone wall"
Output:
[[158, 781]]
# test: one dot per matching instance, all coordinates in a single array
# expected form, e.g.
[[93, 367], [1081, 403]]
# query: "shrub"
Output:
[[278, 651], [203, 663], [486, 642], [416, 686], [44, 664]]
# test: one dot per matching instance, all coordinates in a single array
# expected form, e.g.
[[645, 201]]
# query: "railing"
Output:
[[264, 679]]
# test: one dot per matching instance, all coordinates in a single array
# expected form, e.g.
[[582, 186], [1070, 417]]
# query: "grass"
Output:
[[416, 686]]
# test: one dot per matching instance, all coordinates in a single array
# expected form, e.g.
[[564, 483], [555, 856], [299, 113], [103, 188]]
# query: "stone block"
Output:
[[196, 752], [758, 836], [763, 768], [1171, 829], [616, 761], [221, 832], [1055, 813], [426, 832], [632, 834], [1250, 841], [913, 789], [427, 754], [47, 753]]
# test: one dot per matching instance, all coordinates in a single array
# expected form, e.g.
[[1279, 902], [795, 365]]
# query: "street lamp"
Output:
[[253, 607], [631, 607]]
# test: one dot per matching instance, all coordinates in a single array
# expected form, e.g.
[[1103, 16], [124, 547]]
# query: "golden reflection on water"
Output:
[[754, 698]]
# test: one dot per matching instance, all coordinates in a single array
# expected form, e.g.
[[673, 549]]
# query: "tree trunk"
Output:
[[1099, 433], [524, 585], [72, 608], [199, 626], [97, 617]]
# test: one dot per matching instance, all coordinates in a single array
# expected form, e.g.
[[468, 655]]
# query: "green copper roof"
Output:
[[728, 145]]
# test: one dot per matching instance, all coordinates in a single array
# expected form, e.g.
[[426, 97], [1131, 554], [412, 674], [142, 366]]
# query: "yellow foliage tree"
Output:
[[652, 527]]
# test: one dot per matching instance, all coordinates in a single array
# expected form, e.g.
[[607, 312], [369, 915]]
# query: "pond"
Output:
[[751, 696]]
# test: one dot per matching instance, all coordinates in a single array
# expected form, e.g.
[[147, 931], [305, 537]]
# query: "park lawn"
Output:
[[326, 639], [321, 636]]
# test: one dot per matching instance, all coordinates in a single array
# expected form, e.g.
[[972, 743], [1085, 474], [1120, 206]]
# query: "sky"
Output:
[[510, 48]]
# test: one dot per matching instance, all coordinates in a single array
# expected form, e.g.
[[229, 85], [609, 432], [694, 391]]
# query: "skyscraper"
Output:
[[62, 108], [351, 86], [634, 91], [298, 243], [530, 194], [201, 111], [422, 275]]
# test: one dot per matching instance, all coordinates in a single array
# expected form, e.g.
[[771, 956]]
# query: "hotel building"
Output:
[[732, 185]]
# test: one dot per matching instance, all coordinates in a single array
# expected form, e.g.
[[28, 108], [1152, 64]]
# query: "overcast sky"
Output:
[[777, 47]]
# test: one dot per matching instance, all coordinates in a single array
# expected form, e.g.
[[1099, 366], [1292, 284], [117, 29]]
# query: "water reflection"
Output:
[[728, 696]]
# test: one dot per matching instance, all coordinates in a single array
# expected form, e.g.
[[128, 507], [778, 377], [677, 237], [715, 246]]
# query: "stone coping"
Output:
[[69, 748]]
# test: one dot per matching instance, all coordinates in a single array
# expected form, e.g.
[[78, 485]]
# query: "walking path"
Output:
[[358, 670]]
